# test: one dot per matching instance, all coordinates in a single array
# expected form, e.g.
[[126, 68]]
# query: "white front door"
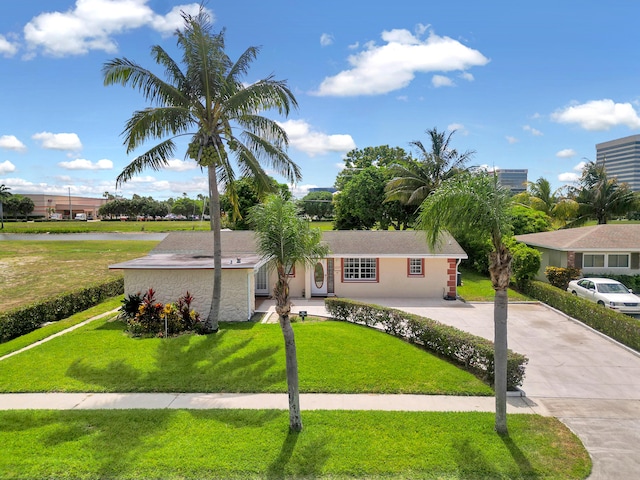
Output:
[[262, 281], [319, 278]]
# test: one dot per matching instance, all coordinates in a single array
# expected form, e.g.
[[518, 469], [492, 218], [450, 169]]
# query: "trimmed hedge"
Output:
[[469, 351], [23, 320], [616, 325]]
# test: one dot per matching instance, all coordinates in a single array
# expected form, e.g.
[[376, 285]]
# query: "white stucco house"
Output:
[[362, 264], [610, 248]]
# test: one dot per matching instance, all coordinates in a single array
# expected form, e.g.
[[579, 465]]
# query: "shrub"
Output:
[[472, 352], [525, 264], [560, 277], [616, 325], [144, 316], [23, 320]]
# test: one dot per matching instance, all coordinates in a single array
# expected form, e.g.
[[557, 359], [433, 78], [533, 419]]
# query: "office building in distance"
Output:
[[621, 159], [514, 179]]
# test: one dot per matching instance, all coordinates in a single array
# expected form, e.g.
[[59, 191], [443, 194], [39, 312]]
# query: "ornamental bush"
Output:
[[469, 351], [146, 317], [23, 320], [616, 325], [560, 277]]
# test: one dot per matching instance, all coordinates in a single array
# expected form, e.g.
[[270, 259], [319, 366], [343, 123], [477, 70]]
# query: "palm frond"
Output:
[[155, 123], [156, 158]]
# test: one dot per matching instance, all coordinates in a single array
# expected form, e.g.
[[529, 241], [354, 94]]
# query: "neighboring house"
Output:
[[362, 264], [595, 250]]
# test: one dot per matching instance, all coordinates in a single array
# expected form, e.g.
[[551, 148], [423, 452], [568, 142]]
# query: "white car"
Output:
[[605, 291]]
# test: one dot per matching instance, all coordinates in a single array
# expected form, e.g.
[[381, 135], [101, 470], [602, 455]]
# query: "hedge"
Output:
[[23, 320], [469, 351], [616, 325]]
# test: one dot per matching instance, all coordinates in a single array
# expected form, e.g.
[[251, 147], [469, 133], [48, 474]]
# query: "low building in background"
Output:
[[58, 207]]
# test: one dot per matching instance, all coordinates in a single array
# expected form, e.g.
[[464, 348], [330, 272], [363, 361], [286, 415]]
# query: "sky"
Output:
[[532, 85]]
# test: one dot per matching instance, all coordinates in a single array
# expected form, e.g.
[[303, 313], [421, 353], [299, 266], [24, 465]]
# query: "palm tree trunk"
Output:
[[283, 308], [500, 271], [500, 359], [214, 207]]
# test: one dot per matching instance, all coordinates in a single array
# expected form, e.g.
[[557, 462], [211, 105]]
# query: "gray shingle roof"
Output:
[[612, 237]]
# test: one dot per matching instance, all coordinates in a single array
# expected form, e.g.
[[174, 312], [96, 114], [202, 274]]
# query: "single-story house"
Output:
[[362, 264], [610, 248]]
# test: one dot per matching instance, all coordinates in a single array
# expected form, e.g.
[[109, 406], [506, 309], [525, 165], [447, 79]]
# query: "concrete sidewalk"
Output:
[[278, 401]]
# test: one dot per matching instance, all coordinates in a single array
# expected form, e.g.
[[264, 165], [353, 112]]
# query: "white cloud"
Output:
[[58, 141], [572, 176], [532, 131], [392, 66], [83, 164], [7, 167], [467, 76], [92, 24], [177, 165], [299, 191], [598, 115], [459, 128], [7, 48], [511, 139], [11, 142], [354, 46], [172, 21], [442, 81], [402, 98], [303, 138], [326, 39], [566, 153]]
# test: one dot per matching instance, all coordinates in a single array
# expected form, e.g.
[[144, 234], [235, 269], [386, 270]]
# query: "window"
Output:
[[621, 261], [360, 269], [292, 271], [415, 267], [591, 260]]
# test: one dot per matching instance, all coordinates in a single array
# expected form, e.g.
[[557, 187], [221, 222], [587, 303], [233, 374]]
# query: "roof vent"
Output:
[[238, 260]]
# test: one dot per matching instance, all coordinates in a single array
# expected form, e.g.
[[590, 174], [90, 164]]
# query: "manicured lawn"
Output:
[[246, 357], [478, 288], [243, 444], [83, 227], [34, 270], [53, 328]]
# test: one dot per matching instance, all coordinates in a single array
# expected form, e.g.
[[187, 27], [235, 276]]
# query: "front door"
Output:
[[319, 278], [262, 281]]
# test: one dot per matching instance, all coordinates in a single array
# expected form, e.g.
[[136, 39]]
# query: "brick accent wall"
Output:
[[452, 278]]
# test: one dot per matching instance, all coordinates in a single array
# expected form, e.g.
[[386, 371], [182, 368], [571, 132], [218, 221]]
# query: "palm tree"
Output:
[[477, 202], [284, 240], [558, 207], [4, 194], [601, 197], [414, 179], [207, 101]]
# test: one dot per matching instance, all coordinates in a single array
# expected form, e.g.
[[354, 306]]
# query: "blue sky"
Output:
[[526, 85]]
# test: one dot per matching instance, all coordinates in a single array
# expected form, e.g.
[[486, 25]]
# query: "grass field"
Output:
[[103, 227], [477, 288], [334, 357], [34, 270], [250, 444]]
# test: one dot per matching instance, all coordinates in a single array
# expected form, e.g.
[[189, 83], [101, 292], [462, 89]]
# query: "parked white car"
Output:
[[605, 291]]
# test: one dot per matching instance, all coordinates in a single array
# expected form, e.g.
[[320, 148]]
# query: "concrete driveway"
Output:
[[589, 382]]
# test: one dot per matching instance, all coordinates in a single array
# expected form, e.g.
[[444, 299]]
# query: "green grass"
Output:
[[477, 288], [245, 444], [247, 357], [84, 227], [53, 328], [34, 270]]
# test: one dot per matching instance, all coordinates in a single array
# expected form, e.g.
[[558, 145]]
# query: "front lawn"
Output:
[[246, 444], [242, 357], [477, 288]]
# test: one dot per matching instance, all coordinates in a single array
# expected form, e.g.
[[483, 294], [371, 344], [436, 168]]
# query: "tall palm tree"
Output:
[[284, 240], [414, 179], [601, 197], [207, 101], [4, 194], [477, 202], [540, 196]]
